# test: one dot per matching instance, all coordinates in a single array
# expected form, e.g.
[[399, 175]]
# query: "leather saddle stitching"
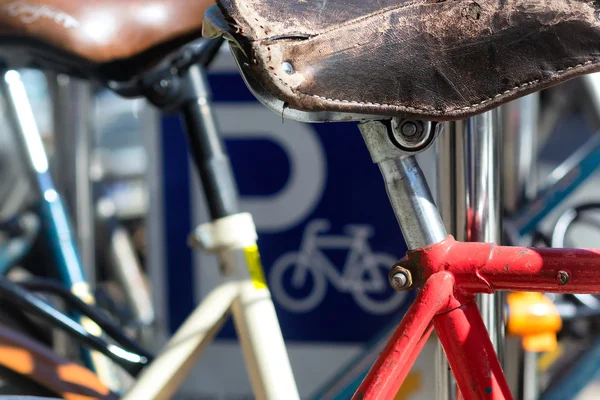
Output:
[[353, 21], [407, 108]]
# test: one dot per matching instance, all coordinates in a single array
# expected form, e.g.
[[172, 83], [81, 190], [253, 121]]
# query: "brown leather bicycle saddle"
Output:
[[433, 59], [85, 34]]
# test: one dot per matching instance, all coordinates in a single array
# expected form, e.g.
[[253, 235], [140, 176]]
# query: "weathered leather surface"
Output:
[[101, 31], [435, 59]]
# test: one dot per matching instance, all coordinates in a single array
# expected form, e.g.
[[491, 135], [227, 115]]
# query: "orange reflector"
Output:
[[534, 317]]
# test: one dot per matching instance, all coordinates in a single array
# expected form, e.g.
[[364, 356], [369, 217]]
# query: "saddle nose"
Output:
[[214, 25]]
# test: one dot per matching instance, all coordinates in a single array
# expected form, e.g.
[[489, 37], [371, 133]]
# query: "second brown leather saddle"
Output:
[[112, 38], [432, 59]]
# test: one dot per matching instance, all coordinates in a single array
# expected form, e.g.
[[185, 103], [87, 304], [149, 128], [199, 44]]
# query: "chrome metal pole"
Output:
[[446, 180], [531, 390], [72, 102], [413, 204], [591, 92], [446, 201], [478, 206], [520, 127], [520, 119]]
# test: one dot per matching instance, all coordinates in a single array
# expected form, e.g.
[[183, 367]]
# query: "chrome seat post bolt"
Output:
[[412, 135], [409, 129]]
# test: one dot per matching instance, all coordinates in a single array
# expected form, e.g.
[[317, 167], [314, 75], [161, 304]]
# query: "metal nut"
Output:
[[409, 129], [562, 277], [400, 278], [412, 135]]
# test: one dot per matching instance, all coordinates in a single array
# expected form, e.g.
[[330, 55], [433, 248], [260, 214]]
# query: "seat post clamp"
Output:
[[393, 138], [231, 232]]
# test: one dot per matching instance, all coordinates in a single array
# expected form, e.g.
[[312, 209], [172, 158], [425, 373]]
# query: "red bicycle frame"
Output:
[[448, 275]]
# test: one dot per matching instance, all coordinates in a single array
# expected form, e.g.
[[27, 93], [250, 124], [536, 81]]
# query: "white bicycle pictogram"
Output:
[[364, 274]]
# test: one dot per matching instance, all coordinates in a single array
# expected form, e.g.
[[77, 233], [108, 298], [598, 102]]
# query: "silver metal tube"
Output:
[[446, 185], [530, 386], [591, 92], [445, 385], [131, 276], [421, 225], [446, 201], [126, 268], [519, 128], [412, 202], [478, 205], [520, 120], [72, 102]]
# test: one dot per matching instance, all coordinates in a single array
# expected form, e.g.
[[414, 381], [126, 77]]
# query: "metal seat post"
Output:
[[413, 204], [391, 146]]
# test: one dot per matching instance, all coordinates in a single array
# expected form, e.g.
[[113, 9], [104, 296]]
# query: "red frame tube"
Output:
[[471, 354], [394, 363], [450, 273], [485, 267]]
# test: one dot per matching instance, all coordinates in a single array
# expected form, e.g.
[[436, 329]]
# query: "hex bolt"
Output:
[[409, 129], [400, 279], [562, 277], [412, 135]]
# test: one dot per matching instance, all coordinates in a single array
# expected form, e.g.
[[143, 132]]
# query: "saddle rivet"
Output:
[[287, 68]]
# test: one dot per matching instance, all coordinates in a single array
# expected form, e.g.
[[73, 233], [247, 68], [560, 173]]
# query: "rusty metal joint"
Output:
[[400, 278]]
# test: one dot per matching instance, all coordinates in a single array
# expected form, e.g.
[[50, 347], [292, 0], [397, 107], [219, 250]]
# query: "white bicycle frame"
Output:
[[244, 294]]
